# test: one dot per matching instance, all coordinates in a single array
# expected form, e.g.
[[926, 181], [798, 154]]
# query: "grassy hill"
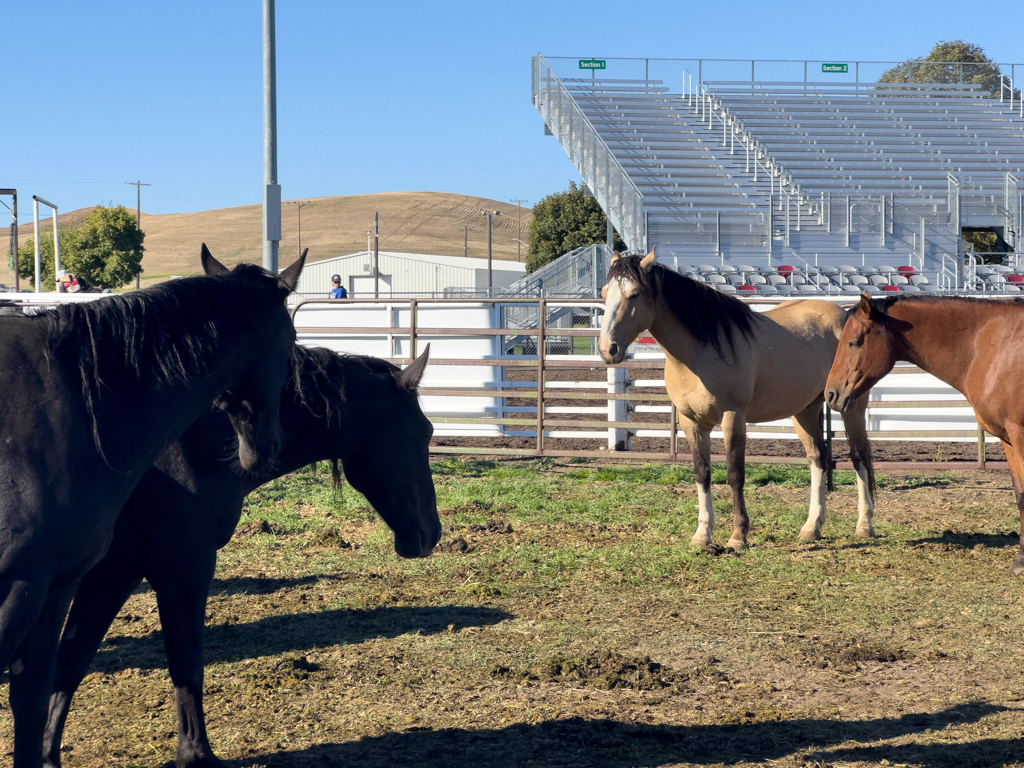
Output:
[[411, 222]]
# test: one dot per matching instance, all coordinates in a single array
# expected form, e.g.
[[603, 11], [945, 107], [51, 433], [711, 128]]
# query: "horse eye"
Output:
[[855, 343]]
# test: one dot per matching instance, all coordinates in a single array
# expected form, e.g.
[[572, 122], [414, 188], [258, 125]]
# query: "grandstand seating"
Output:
[[868, 169]]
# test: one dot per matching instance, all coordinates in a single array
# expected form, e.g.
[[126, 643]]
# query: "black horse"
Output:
[[360, 411], [91, 395]]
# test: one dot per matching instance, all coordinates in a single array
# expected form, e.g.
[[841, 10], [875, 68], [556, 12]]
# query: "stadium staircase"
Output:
[[811, 175]]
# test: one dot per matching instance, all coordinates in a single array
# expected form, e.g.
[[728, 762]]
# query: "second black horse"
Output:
[[360, 411]]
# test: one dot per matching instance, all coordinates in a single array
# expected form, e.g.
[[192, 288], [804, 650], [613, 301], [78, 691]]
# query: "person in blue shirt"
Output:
[[337, 292]]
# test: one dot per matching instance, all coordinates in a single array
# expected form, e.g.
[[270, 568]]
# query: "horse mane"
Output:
[[707, 313], [318, 377], [885, 303], [169, 332]]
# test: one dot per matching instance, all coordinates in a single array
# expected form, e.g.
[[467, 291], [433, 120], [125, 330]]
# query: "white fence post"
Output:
[[618, 380]]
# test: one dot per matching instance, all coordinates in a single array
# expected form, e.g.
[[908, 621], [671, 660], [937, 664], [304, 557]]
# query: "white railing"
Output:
[[601, 171], [1008, 94], [704, 103]]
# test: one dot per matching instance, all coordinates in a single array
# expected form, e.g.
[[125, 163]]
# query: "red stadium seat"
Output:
[[891, 288], [746, 288], [1015, 278], [906, 270], [786, 270]]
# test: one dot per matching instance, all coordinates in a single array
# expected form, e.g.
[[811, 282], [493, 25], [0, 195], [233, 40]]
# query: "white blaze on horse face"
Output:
[[612, 299]]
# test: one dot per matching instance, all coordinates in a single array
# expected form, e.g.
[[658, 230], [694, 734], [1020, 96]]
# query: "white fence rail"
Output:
[[472, 389]]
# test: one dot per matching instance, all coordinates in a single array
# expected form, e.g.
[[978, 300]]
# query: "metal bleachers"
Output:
[[812, 173], [877, 138]]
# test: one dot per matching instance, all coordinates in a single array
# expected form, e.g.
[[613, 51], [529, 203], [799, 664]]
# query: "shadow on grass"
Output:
[[579, 743], [250, 585], [274, 635], [953, 540]]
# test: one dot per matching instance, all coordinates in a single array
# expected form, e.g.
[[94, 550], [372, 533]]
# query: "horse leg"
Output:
[[700, 445], [100, 596], [1013, 459], [32, 677], [855, 421], [808, 429], [182, 603], [734, 427]]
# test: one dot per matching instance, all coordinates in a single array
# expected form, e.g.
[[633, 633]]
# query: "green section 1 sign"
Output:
[[835, 67], [592, 64]]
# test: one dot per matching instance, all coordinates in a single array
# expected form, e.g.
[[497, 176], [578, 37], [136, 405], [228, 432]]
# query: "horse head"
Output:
[[253, 401], [868, 349], [629, 305], [386, 455]]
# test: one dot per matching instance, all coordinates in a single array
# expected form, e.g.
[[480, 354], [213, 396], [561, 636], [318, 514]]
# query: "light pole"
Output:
[[519, 227], [271, 189], [298, 207], [490, 216]]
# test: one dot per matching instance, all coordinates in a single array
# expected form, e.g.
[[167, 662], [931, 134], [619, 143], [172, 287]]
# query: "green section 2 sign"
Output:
[[835, 67], [592, 64]]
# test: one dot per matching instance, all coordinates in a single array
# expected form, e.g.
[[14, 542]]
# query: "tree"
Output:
[[105, 251], [953, 61], [110, 250], [563, 221]]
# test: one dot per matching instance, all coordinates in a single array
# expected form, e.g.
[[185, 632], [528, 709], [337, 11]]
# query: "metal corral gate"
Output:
[[542, 381]]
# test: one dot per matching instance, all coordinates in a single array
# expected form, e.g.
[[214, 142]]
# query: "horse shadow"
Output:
[[251, 585], [580, 743], [954, 540], [274, 635]]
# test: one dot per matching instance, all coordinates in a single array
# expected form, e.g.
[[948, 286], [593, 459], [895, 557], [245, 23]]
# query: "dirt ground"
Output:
[[565, 621]]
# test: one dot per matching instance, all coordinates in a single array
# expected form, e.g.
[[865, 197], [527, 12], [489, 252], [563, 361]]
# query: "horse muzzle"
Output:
[[419, 544], [611, 353], [838, 401]]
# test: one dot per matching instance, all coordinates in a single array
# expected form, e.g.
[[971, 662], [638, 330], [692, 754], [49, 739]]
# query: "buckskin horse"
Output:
[[972, 344], [360, 411], [726, 364], [92, 393]]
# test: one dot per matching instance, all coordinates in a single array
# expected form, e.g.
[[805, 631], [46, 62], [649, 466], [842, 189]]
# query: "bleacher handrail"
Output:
[[629, 208]]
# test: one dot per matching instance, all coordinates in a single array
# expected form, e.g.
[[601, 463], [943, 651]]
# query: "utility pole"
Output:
[[519, 228], [298, 207], [465, 242], [138, 215], [271, 189], [490, 215], [14, 234], [376, 255]]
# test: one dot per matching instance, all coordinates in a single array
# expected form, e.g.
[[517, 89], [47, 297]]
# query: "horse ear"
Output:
[[289, 278], [410, 377], [867, 308], [647, 261], [210, 265], [615, 257]]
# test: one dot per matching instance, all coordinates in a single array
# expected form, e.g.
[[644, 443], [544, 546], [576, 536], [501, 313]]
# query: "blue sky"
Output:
[[372, 97]]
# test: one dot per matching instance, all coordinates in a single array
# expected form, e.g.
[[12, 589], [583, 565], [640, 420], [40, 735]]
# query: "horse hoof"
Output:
[[1017, 569], [864, 533], [736, 545], [809, 535], [195, 761], [700, 541]]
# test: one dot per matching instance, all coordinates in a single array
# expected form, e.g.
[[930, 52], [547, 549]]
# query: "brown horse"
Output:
[[726, 364], [968, 343]]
